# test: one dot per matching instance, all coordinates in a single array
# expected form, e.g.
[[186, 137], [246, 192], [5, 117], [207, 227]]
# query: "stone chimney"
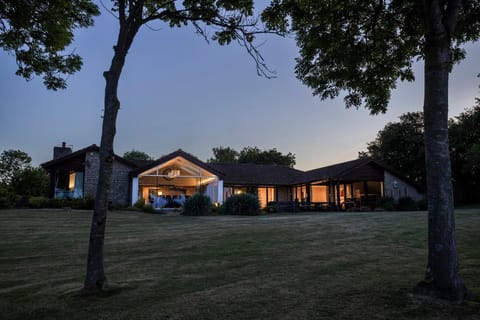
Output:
[[61, 151]]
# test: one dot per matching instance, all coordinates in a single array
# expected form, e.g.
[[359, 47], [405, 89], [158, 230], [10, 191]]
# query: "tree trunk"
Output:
[[442, 279], [95, 279]]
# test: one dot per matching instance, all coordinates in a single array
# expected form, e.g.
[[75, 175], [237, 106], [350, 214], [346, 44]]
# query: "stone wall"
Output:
[[92, 165], [398, 188], [119, 193]]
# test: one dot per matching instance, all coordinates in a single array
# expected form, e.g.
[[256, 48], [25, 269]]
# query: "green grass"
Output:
[[283, 266]]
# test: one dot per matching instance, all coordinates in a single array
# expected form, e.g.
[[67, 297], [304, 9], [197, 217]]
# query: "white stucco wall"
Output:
[[398, 188]]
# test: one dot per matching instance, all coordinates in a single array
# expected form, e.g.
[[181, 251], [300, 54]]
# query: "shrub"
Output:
[[89, 202], [21, 201], [242, 204], [139, 204], [55, 203], [271, 207], [7, 198], [30, 182], [407, 204], [216, 208], [387, 203], [148, 208], [120, 205], [5, 202], [38, 202], [81, 204], [422, 204], [197, 205]]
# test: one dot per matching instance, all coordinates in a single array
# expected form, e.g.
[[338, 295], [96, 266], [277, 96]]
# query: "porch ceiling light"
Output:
[[170, 173]]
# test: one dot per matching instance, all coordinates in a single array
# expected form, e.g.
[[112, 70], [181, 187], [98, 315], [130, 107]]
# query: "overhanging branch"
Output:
[[234, 25]]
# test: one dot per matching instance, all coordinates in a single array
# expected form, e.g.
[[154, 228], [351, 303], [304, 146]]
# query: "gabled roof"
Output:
[[82, 152], [341, 170], [179, 153], [335, 171], [257, 174]]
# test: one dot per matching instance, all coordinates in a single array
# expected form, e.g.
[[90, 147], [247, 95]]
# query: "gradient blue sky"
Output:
[[177, 91]]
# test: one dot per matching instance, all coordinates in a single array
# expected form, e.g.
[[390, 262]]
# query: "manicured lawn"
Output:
[[284, 266]]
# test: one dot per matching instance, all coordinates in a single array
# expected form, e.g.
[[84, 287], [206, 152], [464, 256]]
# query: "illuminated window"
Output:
[[319, 193], [240, 190], [71, 181], [265, 195]]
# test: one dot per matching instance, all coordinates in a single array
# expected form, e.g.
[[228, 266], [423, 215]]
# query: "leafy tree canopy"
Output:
[[362, 48], [30, 181], [230, 21], [465, 145], [400, 145], [38, 32], [136, 155], [224, 155], [272, 156], [12, 162], [252, 155]]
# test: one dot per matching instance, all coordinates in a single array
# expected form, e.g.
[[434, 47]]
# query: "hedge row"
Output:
[[403, 204]]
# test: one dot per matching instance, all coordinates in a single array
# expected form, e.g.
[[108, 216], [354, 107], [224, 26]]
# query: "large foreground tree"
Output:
[[230, 21], [362, 48]]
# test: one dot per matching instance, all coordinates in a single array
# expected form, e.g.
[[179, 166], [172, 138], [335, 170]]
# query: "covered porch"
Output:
[[169, 182], [339, 195]]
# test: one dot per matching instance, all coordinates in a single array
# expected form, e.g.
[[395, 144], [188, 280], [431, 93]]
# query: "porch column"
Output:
[[308, 191], [53, 186], [134, 190], [338, 195], [220, 191]]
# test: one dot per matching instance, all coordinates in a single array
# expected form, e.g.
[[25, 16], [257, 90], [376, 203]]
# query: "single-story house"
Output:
[[170, 179]]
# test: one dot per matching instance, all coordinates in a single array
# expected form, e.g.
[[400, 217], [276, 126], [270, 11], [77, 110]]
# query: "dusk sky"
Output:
[[177, 91]]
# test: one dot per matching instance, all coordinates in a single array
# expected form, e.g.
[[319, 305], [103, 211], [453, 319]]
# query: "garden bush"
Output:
[[139, 204], [242, 204], [148, 208], [406, 204], [216, 208], [422, 204], [78, 204], [386, 203], [89, 202], [7, 198], [38, 202], [197, 205]]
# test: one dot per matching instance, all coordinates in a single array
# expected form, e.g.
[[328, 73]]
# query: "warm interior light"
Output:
[[159, 193], [71, 180], [173, 173]]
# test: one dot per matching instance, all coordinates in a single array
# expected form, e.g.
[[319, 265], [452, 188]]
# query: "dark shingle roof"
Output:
[[257, 174], [81, 152], [141, 163], [335, 171]]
